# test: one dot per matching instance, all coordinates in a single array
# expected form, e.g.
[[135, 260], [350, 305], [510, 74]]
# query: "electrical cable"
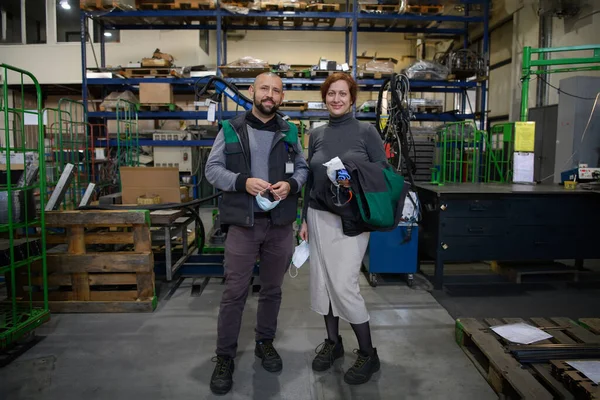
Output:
[[563, 92]]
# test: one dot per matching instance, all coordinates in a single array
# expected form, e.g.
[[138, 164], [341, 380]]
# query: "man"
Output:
[[256, 157]]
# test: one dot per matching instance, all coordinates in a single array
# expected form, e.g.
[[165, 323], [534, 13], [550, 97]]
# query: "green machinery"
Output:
[[542, 66], [459, 151], [22, 223]]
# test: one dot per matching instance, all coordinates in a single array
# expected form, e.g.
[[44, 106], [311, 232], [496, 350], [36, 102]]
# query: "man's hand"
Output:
[[255, 185], [281, 190]]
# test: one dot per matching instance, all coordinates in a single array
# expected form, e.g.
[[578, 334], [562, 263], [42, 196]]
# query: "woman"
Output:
[[335, 258]]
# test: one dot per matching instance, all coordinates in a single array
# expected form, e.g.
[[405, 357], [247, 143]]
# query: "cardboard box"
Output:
[[138, 181], [156, 93]]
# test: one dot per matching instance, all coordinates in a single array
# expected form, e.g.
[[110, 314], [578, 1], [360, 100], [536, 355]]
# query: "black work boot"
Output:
[[271, 361], [364, 367], [222, 377], [328, 353]]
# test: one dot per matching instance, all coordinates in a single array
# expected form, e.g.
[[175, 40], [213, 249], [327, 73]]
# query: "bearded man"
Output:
[[258, 163]]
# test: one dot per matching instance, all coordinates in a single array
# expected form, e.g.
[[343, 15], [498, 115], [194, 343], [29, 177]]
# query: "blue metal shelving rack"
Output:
[[411, 23]]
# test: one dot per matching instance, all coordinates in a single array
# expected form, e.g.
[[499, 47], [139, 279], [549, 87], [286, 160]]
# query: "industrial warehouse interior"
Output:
[[311, 200]]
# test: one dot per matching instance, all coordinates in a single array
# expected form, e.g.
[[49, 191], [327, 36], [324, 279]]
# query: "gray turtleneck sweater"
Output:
[[343, 137]]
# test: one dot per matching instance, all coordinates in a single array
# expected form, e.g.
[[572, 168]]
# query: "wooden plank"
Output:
[[521, 380], [94, 279], [113, 279], [99, 262], [145, 284], [81, 286], [142, 239], [52, 279], [559, 336], [75, 239], [592, 324], [96, 238], [100, 306], [115, 295], [96, 217], [577, 332], [544, 372]]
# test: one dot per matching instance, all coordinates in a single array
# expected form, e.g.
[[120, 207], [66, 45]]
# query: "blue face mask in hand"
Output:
[[266, 204]]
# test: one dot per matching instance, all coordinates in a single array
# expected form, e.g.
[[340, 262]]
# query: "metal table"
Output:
[[172, 223], [507, 222]]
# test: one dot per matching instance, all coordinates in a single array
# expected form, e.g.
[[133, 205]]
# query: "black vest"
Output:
[[237, 208]]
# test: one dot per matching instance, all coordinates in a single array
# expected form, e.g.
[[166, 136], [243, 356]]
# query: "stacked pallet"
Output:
[[539, 370], [103, 262]]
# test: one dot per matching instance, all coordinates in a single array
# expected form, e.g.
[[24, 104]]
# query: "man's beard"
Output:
[[258, 104]]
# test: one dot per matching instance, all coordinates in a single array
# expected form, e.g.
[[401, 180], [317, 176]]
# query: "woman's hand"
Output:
[[304, 231]]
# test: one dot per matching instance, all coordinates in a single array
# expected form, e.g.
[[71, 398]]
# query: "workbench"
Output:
[[507, 222]]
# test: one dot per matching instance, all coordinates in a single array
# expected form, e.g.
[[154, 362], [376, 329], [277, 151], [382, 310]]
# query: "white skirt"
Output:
[[335, 262]]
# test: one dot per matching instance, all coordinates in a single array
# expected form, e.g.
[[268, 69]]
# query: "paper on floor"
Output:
[[521, 333], [591, 369]]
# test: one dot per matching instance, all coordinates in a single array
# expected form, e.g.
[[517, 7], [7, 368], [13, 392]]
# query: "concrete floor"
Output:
[[167, 354]]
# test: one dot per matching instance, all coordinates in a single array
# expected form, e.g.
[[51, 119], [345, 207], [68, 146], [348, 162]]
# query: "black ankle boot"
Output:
[[364, 367], [271, 361], [327, 353], [222, 377]]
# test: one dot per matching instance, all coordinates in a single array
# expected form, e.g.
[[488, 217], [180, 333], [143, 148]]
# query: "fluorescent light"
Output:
[[107, 34], [65, 5]]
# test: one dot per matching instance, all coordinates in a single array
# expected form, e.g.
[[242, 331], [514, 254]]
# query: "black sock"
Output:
[[363, 335], [332, 324]]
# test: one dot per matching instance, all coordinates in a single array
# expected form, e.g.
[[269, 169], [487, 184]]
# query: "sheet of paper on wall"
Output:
[[521, 333], [591, 369], [523, 164], [525, 136]]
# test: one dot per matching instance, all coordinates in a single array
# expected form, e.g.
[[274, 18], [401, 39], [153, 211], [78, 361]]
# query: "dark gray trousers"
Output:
[[274, 247]]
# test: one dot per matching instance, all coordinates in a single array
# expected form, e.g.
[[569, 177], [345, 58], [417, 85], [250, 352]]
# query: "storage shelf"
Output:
[[201, 115], [350, 22], [291, 83], [158, 143]]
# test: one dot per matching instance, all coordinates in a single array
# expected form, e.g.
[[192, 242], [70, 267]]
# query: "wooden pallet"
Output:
[[287, 6], [424, 9], [92, 5], [177, 5], [153, 72], [504, 373], [373, 75], [323, 7], [293, 73], [81, 278], [430, 109], [379, 8], [518, 273], [577, 383], [293, 106], [323, 74]]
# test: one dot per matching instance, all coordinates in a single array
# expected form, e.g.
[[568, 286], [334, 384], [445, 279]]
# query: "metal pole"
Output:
[[354, 37], [544, 41], [486, 58], [347, 35], [219, 49], [83, 27], [526, 69], [102, 45], [465, 46]]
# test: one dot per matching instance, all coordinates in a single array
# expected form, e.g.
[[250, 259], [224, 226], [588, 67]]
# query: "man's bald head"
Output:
[[267, 94], [268, 75]]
